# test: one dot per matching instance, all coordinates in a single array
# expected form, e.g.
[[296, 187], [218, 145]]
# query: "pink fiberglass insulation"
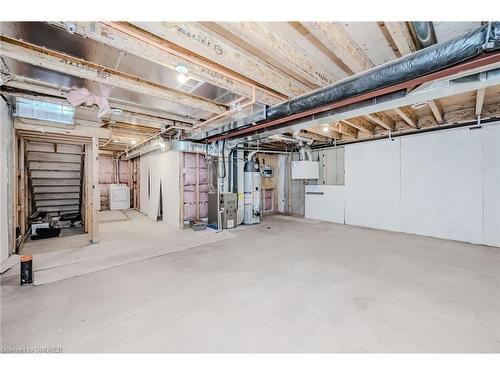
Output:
[[108, 175], [195, 178], [77, 97]]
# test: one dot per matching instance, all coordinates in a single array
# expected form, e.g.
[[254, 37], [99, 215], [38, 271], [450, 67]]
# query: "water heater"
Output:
[[252, 193]]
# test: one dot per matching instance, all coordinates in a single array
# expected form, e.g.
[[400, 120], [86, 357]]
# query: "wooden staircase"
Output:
[[55, 177]]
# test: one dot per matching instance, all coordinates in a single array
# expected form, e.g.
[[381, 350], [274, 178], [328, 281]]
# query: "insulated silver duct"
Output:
[[173, 145]]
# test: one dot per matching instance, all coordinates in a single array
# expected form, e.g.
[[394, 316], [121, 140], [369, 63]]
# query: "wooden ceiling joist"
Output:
[[463, 115], [53, 60], [408, 116], [480, 101], [381, 119], [201, 41], [302, 30], [401, 36], [314, 136], [345, 129], [437, 111], [276, 49], [51, 129], [325, 131], [27, 84], [388, 37], [159, 51], [362, 125], [338, 41]]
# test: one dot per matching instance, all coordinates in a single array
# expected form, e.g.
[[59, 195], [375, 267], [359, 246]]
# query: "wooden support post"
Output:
[[95, 196], [130, 181], [197, 186], [15, 183], [86, 190]]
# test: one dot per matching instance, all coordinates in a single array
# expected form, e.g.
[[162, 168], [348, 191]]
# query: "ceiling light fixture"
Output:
[[133, 141], [183, 72], [181, 68], [325, 128], [182, 77]]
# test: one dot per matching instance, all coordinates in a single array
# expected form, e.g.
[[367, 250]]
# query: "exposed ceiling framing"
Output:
[[231, 63]]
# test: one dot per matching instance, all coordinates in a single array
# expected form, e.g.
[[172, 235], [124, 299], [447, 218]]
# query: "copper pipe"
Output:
[[484, 59]]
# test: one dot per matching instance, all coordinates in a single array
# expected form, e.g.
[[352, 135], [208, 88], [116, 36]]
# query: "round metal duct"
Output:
[[424, 33]]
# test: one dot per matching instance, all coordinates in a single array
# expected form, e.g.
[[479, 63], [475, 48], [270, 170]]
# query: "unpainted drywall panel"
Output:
[[6, 144], [332, 166], [372, 184], [491, 160], [441, 184], [325, 202], [161, 168]]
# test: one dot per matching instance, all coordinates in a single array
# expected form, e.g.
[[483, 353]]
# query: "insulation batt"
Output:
[[428, 60], [79, 96]]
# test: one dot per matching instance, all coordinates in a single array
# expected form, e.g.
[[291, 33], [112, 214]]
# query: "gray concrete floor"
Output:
[[281, 286]]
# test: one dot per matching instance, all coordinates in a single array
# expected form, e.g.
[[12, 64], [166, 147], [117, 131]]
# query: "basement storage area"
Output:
[[250, 186]]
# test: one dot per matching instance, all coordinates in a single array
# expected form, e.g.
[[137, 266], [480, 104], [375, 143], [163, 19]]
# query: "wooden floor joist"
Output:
[[199, 40], [480, 101], [437, 111], [60, 62], [382, 120], [361, 124], [159, 51], [408, 116]]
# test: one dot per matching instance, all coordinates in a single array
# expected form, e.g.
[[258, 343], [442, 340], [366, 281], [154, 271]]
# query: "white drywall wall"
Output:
[[5, 178], [372, 180], [325, 202], [162, 167], [442, 184], [491, 170]]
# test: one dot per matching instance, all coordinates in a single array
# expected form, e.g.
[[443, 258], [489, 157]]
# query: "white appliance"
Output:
[[252, 193], [305, 170], [119, 197]]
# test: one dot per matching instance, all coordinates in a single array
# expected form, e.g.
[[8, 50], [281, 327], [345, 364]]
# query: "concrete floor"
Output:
[[281, 286]]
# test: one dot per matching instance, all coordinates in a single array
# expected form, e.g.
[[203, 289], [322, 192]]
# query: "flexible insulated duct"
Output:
[[425, 61], [429, 60]]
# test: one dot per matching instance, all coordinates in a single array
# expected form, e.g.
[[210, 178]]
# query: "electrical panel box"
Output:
[[305, 170], [228, 206], [267, 171]]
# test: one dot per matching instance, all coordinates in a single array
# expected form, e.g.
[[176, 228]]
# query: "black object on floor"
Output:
[[46, 233], [26, 270]]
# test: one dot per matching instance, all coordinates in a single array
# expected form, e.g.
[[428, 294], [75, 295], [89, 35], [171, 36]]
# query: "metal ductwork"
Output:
[[173, 145], [484, 40], [423, 34]]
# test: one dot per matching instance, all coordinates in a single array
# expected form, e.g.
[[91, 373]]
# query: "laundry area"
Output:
[[250, 187]]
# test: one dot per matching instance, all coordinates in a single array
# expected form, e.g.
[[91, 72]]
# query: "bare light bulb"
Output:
[[182, 77]]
